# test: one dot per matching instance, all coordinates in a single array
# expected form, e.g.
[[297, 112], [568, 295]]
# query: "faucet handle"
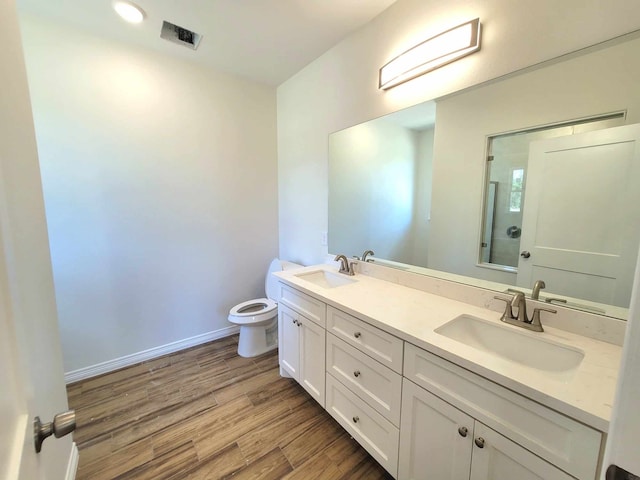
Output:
[[352, 268], [508, 310], [535, 319], [555, 300]]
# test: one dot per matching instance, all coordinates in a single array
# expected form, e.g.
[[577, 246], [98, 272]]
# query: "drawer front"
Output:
[[379, 345], [308, 306], [377, 385], [375, 433], [570, 445]]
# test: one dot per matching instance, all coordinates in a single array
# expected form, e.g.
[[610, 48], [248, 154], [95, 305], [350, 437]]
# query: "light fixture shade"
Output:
[[130, 12], [433, 53]]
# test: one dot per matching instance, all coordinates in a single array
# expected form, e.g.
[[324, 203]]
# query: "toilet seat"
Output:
[[258, 319], [253, 311]]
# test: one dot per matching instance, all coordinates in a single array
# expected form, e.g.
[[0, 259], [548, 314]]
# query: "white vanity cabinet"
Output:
[[507, 435], [419, 415], [440, 441], [301, 342], [364, 384]]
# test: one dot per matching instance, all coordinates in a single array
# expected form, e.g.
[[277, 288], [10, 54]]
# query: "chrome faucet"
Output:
[[366, 254], [519, 302], [345, 267], [535, 293]]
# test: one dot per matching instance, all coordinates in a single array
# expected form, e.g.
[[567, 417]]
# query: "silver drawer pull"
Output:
[[356, 373], [356, 419], [463, 431], [357, 334], [479, 442]]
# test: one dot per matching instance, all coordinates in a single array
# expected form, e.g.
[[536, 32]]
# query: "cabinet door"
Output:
[[435, 438], [496, 457], [289, 342], [312, 358]]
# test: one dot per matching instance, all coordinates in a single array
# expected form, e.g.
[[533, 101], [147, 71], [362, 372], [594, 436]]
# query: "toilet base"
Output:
[[256, 340]]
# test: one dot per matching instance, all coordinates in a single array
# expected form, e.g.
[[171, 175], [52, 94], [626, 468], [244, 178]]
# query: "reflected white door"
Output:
[[31, 372], [581, 223]]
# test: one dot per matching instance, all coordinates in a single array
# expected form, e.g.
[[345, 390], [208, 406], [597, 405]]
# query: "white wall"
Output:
[[601, 82], [372, 190], [339, 89], [422, 212], [160, 187]]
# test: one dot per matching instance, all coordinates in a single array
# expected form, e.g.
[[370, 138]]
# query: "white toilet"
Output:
[[258, 319]]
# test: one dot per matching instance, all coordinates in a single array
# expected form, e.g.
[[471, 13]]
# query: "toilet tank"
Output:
[[271, 282]]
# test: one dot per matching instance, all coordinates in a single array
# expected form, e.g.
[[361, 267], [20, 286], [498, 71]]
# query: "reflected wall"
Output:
[[380, 190]]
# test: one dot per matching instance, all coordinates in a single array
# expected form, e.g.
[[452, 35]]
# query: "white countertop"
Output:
[[586, 394]]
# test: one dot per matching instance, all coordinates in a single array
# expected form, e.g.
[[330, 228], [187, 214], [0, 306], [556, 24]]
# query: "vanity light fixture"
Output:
[[130, 12], [433, 53]]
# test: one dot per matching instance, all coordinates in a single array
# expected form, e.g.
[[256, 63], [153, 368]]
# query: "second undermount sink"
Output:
[[325, 279], [506, 342]]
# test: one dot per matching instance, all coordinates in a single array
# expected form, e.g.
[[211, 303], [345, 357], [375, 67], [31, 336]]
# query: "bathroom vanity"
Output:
[[433, 387]]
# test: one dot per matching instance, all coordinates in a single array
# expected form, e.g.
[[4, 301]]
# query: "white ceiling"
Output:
[[262, 40]]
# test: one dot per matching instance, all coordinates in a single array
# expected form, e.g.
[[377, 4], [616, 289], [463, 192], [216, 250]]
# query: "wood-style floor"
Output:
[[207, 413]]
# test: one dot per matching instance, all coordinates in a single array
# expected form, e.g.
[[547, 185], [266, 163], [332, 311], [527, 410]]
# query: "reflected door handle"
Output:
[[63, 424], [525, 254]]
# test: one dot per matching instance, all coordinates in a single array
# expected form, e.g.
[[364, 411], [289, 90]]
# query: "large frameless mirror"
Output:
[[457, 195]]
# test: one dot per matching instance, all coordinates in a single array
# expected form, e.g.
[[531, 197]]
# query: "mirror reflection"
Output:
[[418, 190], [507, 165], [380, 186]]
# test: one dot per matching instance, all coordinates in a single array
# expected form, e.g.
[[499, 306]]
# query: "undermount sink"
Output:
[[325, 279], [506, 342]]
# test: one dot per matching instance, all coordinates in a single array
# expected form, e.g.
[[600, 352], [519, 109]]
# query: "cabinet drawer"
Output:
[[308, 306], [379, 345], [570, 445], [376, 384], [375, 433]]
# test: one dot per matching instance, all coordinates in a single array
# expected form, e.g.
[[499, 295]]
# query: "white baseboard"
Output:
[[128, 360], [72, 466]]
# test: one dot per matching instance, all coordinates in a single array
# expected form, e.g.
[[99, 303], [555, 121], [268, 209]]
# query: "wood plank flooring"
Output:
[[207, 413]]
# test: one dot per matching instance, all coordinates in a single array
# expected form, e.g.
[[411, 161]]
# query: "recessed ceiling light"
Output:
[[129, 11]]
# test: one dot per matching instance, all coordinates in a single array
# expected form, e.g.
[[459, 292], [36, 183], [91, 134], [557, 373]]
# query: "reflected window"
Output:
[[517, 183]]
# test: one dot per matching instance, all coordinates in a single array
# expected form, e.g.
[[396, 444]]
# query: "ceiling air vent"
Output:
[[180, 35]]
